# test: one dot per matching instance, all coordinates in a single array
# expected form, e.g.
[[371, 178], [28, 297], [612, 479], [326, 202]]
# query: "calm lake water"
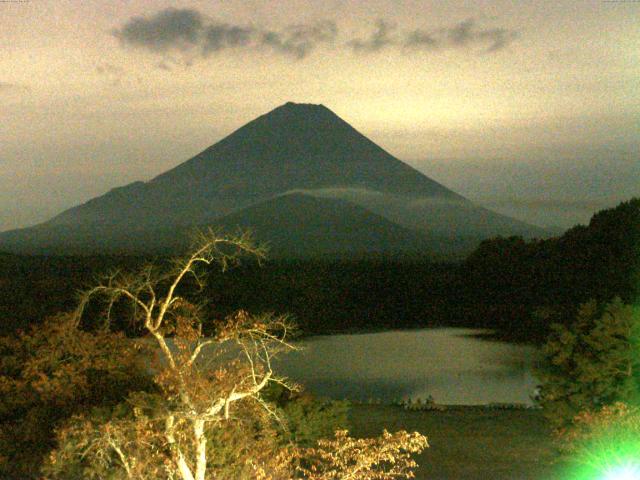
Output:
[[447, 363]]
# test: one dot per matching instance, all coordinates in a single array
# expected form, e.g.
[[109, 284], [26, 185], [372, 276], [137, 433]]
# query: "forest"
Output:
[[517, 287]]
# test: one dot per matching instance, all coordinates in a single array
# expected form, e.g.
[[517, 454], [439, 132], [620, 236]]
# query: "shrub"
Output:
[[307, 419], [592, 363], [50, 373], [343, 457]]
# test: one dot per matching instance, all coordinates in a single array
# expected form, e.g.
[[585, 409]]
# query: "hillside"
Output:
[[298, 225]]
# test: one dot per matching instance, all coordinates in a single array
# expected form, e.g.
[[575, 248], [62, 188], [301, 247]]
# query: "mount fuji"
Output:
[[301, 177]]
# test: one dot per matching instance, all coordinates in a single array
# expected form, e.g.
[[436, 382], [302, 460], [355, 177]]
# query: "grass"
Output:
[[469, 443]]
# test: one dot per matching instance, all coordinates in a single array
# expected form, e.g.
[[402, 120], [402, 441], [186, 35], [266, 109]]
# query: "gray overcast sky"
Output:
[[531, 108]]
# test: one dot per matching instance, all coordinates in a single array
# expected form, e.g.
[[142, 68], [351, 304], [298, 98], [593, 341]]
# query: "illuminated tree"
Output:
[[205, 386], [381, 458]]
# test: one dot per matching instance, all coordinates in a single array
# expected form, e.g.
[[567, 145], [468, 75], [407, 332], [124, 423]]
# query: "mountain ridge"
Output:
[[294, 147]]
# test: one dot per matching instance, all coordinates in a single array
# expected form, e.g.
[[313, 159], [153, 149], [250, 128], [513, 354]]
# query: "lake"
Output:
[[447, 363]]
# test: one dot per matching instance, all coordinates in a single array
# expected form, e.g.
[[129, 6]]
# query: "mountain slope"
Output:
[[294, 148], [299, 146], [300, 225], [292, 225]]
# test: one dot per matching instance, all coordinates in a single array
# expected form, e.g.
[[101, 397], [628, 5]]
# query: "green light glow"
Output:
[[628, 471], [611, 462]]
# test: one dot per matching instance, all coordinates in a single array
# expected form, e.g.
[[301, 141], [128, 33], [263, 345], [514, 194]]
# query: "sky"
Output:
[[529, 108]]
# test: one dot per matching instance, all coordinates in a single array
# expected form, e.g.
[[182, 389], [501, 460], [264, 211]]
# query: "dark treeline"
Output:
[[515, 286], [529, 285], [33, 287], [518, 287]]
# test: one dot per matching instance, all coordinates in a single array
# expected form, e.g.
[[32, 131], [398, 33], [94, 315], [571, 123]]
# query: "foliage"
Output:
[[208, 415], [130, 442], [250, 440], [33, 288], [305, 418], [511, 280], [610, 425], [52, 372], [381, 458], [592, 363]]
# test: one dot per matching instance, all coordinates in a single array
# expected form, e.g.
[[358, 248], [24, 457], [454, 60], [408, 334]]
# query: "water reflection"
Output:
[[448, 364]]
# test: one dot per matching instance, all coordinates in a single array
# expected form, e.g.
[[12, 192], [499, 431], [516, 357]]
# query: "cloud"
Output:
[[546, 203], [187, 29], [300, 40], [464, 35], [338, 192], [422, 39], [380, 38], [220, 36], [111, 73], [162, 65], [461, 34], [167, 29], [499, 38]]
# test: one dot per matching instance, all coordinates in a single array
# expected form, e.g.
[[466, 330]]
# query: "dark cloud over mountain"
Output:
[[181, 29], [167, 29], [467, 33], [175, 29], [381, 37], [299, 40], [464, 35], [220, 36]]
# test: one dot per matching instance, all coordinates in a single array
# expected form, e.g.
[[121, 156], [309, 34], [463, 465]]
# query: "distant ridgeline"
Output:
[[301, 178], [514, 285]]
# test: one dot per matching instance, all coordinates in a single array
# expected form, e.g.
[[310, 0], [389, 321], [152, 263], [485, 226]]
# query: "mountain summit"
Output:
[[295, 148], [299, 146]]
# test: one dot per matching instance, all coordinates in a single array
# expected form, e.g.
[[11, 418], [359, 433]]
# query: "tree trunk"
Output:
[[181, 463], [201, 449]]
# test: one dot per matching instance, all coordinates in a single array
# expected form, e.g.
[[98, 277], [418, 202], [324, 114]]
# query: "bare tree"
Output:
[[198, 389]]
